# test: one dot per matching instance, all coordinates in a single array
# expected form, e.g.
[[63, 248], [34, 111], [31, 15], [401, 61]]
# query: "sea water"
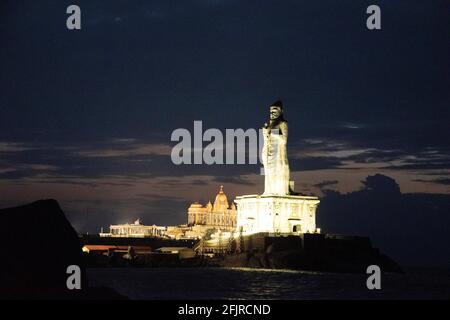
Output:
[[245, 283]]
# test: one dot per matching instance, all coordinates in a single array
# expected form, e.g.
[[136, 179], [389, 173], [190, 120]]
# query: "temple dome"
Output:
[[196, 205], [221, 201]]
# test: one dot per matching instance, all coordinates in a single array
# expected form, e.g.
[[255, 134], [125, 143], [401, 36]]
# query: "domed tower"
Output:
[[219, 214], [195, 213], [221, 201]]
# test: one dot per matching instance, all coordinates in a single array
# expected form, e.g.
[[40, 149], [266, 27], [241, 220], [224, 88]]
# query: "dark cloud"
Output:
[[232, 179], [315, 163], [409, 227], [155, 196], [326, 183], [444, 181], [435, 165]]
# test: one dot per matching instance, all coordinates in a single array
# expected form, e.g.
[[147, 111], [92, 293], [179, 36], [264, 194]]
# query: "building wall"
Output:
[[202, 216], [218, 215], [135, 230], [276, 214]]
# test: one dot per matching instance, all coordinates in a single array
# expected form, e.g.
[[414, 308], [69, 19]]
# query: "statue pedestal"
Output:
[[276, 214]]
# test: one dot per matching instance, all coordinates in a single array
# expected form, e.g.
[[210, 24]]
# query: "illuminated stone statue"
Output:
[[274, 154], [279, 209]]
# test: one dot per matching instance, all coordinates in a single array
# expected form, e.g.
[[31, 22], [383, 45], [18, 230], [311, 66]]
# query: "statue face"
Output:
[[275, 112]]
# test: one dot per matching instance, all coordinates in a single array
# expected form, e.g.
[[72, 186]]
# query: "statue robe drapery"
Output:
[[274, 158]]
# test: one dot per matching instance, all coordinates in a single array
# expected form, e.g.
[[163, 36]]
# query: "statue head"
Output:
[[276, 112]]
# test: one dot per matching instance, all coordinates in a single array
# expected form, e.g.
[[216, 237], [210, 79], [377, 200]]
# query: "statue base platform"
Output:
[[289, 214]]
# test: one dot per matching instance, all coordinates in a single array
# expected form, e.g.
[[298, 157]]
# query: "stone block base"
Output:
[[276, 214]]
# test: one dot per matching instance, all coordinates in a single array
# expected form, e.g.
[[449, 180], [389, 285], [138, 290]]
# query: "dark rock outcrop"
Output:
[[39, 243]]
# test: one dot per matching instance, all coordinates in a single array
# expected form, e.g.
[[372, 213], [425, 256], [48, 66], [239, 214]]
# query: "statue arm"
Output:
[[284, 131], [264, 150]]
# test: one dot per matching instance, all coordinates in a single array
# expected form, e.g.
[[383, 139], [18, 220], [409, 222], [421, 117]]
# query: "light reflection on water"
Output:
[[247, 283], [266, 270]]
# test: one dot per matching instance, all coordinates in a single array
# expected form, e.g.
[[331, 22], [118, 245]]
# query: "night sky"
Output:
[[86, 116]]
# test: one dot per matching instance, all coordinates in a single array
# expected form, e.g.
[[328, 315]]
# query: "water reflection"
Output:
[[246, 283]]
